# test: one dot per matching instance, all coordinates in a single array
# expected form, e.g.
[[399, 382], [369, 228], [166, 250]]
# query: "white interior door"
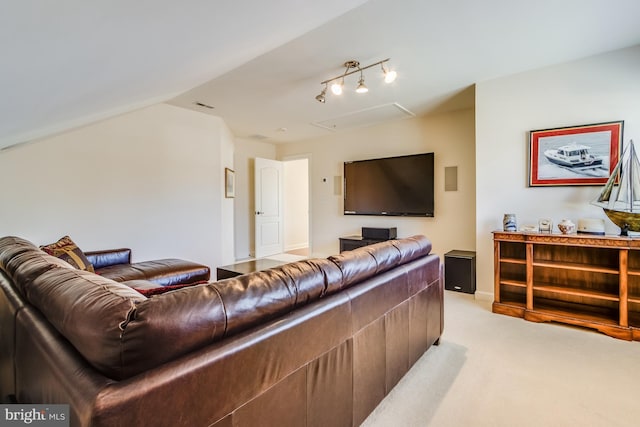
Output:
[[268, 213]]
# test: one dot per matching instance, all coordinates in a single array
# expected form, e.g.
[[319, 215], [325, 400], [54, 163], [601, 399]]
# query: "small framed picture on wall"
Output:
[[229, 183]]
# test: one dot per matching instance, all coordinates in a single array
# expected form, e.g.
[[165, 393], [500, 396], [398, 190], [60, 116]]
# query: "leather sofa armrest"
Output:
[[108, 257]]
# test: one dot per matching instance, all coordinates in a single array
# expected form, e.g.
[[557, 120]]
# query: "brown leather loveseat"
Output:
[[317, 342]]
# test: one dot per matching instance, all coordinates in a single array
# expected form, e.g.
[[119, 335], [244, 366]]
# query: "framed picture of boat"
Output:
[[575, 155]]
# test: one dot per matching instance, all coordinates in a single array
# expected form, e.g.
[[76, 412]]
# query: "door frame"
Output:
[[307, 156]]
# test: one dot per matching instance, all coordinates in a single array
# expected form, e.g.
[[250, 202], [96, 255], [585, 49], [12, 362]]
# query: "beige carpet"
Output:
[[495, 370]]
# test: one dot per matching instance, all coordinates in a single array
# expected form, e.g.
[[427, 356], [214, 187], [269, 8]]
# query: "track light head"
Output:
[[389, 75], [321, 98], [362, 88], [336, 88]]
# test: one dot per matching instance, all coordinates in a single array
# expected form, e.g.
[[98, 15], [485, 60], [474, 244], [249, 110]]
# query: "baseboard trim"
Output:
[[484, 296], [296, 246]]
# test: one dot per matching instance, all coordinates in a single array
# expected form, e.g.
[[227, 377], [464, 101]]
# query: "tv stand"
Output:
[[349, 243]]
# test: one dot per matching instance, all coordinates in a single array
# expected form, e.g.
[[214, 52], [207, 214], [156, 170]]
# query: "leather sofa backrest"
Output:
[[10, 247], [27, 266], [361, 264], [190, 318], [385, 254], [313, 279], [10, 304], [356, 266], [169, 325], [412, 247], [251, 299], [23, 262], [89, 310]]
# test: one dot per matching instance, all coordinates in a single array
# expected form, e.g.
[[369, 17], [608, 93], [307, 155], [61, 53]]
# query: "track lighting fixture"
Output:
[[351, 67]]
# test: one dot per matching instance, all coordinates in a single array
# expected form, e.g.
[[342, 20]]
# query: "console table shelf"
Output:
[[582, 280], [516, 283], [576, 266], [513, 261]]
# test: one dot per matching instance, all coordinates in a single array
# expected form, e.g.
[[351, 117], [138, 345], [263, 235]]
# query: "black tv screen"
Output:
[[394, 186]]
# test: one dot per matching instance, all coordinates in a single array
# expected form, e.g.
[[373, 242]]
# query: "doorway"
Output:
[[296, 206], [282, 212]]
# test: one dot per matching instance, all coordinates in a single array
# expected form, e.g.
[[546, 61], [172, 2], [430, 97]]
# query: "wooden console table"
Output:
[[583, 280]]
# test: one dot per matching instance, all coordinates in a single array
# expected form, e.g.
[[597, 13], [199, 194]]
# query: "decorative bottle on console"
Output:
[[509, 222]]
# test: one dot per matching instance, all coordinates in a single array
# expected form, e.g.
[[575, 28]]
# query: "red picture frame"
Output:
[[574, 155]]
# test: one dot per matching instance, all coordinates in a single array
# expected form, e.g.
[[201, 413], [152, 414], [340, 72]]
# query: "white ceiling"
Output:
[[260, 64]]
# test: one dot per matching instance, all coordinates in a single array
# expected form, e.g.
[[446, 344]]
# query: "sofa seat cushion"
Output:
[[163, 272], [148, 288]]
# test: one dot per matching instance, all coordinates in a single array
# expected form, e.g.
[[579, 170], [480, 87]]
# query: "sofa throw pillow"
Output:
[[68, 251]]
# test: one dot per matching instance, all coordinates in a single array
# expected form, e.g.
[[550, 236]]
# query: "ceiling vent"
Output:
[[202, 104], [366, 117]]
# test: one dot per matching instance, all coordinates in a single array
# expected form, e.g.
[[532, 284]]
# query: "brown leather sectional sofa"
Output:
[[314, 343]]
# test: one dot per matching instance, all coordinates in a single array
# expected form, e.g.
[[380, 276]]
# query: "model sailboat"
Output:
[[620, 197]]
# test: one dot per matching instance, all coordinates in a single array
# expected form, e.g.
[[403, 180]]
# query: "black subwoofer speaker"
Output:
[[460, 271], [379, 233]]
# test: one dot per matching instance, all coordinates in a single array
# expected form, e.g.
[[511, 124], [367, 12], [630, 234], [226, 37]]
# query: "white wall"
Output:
[[597, 89], [151, 180], [245, 153], [296, 204], [450, 136]]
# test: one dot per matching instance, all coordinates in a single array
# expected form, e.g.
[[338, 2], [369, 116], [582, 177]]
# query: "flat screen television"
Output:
[[391, 186]]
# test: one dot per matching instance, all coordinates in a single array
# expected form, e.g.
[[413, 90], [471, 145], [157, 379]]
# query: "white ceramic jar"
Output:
[[566, 226]]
